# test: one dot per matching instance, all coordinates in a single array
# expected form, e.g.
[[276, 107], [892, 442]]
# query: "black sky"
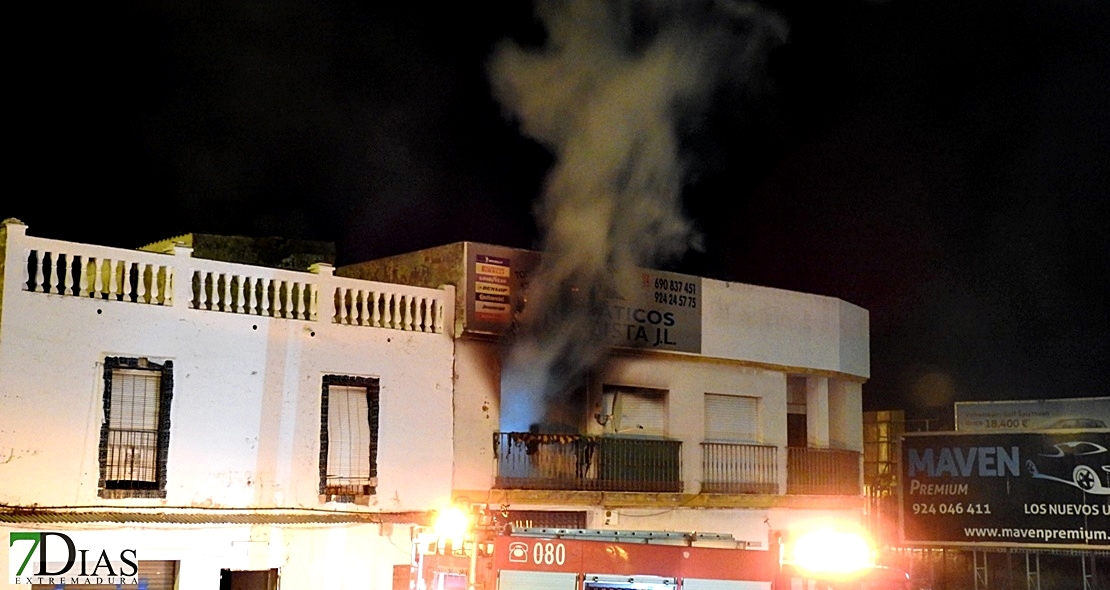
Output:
[[944, 164]]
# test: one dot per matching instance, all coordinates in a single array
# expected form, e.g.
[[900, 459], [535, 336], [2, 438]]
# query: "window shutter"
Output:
[[731, 417], [642, 412], [348, 434]]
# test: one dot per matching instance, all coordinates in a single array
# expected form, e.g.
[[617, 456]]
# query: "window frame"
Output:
[[162, 445], [373, 407]]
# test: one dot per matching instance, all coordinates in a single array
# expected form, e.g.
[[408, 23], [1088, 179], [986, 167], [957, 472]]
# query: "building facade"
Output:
[[238, 424], [231, 422], [744, 416]]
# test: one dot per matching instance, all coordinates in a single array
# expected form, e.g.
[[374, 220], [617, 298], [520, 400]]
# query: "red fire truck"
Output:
[[594, 559]]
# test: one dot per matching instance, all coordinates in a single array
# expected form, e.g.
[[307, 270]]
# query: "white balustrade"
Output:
[[83, 275], [67, 269], [395, 307]]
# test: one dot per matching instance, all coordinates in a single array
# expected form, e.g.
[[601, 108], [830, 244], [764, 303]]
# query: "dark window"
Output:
[[348, 438], [248, 579], [797, 434], [135, 433]]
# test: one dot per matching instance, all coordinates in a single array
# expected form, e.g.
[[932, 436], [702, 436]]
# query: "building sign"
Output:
[[1010, 489], [662, 311], [1017, 415], [495, 281]]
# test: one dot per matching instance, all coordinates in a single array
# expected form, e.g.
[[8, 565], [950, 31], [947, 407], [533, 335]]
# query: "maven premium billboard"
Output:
[[1007, 489]]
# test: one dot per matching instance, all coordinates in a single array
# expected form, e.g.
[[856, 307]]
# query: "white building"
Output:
[[745, 415], [180, 406]]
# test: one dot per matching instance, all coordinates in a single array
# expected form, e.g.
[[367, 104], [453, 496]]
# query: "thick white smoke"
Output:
[[604, 94]]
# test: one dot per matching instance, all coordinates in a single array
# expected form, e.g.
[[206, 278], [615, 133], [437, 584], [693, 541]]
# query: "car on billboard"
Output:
[[1075, 423], [1078, 463]]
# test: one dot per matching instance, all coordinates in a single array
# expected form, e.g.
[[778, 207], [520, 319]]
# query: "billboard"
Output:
[[662, 311], [1007, 489], [1046, 414]]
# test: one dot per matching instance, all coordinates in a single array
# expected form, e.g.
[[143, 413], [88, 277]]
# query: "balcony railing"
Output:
[[736, 468], [579, 462], [68, 269], [822, 471]]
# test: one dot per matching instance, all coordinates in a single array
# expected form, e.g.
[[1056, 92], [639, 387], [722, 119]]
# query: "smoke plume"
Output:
[[604, 94]]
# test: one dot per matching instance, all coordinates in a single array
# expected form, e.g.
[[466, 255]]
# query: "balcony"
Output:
[[735, 468], [822, 471], [579, 462]]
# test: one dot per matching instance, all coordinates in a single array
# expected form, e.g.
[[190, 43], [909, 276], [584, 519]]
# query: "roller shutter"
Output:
[[731, 418]]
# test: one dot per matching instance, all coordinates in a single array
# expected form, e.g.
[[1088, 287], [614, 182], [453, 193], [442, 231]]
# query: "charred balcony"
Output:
[[530, 461]]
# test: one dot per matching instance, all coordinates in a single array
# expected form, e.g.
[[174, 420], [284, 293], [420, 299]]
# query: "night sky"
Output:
[[943, 164]]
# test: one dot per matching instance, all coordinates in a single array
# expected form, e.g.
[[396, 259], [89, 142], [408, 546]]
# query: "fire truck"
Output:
[[510, 558]]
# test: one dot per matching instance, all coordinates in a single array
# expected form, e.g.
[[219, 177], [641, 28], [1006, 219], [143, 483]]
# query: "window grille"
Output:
[[348, 437], [135, 431]]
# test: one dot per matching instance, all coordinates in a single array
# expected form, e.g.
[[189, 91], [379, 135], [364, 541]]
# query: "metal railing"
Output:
[[822, 471], [738, 468], [132, 458], [580, 462]]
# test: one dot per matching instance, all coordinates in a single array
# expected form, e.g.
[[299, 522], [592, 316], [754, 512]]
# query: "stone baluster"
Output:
[[125, 280], [225, 292], [64, 272], [114, 266], [389, 306], [140, 289], [154, 294], [297, 294], [238, 296], [40, 261], [375, 310], [27, 270], [439, 317], [313, 301], [167, 292], [406, 312], [286, 295], [264, 304], [98, 288], [363, 307], [425, 312], [83, 276], [104, 279], [251, 297], [202, 296]]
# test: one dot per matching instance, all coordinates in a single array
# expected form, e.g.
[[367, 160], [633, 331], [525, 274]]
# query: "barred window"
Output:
[[134, 435], [348, 437]]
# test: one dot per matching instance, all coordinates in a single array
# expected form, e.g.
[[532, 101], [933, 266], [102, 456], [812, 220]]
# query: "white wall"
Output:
[[785, 328], [477, 412], [354, 556], [245, 416]]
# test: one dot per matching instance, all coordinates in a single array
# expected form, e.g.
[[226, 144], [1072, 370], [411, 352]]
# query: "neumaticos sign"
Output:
[[662, 312], [1019, 489]]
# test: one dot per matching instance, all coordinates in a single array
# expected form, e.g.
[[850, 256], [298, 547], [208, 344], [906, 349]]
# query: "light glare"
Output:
[[830, 552]]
